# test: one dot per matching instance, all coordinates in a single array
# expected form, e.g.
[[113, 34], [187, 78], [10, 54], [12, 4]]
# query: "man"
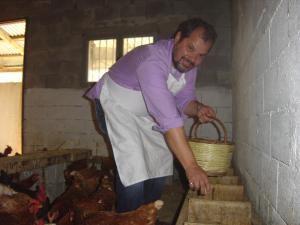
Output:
[[146, 96]]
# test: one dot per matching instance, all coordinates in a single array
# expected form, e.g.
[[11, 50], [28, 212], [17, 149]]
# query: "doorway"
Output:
[[12, 41]]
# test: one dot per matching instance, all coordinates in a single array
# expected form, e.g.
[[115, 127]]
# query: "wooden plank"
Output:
[[224, 180], [222, 192], [40, 159], [220, 212], [11, 68]]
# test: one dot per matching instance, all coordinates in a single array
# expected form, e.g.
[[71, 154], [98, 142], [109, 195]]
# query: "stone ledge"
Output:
[[40, 159]]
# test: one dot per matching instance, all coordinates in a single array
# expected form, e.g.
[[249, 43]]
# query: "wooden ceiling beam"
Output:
[[5, 36], [18, 38], [11, 60], [11, 69], [11, 57]]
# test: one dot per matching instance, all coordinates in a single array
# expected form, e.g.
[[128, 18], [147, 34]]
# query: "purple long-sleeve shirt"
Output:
[[146, 69]]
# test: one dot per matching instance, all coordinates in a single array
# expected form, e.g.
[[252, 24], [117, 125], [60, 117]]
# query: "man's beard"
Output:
[[180, 67]]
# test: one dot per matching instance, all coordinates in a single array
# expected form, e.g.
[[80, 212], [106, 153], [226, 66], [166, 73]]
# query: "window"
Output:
[[131, 43], [103, 53]]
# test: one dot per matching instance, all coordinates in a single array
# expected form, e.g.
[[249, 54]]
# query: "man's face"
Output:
[[190, 51]]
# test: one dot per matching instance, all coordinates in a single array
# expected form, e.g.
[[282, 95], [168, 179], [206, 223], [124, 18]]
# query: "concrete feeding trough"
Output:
[[229, 180], [222, 192], [219, 212], [227, 204]]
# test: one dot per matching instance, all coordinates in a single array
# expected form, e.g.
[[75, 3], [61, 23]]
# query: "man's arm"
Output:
[[178, 144], [196, 109]]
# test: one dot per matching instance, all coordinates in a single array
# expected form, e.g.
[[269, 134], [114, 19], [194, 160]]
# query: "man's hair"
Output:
[[188, 26]]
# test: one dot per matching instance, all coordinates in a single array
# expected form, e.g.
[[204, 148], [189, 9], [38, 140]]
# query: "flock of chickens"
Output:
[[88, 200]]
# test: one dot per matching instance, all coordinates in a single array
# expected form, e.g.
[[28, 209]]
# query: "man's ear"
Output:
[[177, 37]]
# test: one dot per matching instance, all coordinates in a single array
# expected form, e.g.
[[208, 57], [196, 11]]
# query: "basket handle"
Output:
[[197, 123]]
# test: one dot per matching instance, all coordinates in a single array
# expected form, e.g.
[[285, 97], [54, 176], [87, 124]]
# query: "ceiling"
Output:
[[12, 36]]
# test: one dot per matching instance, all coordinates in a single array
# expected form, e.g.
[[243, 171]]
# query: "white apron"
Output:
[[140, 152]]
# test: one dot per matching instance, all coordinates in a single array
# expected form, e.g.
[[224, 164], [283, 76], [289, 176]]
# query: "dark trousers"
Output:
[[133, 196], [100, 117]]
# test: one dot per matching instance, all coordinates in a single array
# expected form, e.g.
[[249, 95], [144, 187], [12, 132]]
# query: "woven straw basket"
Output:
[[214, 156]]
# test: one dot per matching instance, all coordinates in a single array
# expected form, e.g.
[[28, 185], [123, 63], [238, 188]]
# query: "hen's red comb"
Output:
[[42, 195], [34, 206]]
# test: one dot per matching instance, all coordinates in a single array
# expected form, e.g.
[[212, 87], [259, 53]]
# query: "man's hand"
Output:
[[178, 144], [198, 180], [205, 113]]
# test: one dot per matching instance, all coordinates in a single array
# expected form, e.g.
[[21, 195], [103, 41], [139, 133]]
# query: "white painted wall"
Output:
[[62, 118], [266, 64], [59, 118]]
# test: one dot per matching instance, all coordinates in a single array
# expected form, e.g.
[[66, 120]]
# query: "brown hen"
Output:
[[67, 219], [145, 215], [64, 203], [101, 200], [14, 209], [87, 179], [75, 166], [84, 183]]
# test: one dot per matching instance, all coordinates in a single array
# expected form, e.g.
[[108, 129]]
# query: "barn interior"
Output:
[[53, 51]]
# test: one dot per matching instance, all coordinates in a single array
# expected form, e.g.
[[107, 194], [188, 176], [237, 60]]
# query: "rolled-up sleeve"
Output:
[[160, 102], [94, 92]]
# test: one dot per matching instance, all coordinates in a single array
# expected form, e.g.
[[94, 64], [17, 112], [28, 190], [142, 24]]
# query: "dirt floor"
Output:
[[173, 196]]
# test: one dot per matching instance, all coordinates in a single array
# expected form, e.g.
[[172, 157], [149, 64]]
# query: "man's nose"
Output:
[[195, 60]]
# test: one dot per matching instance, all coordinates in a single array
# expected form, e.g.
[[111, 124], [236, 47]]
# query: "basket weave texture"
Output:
[[214, 156]]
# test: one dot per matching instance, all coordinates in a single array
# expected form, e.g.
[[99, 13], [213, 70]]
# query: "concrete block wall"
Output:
[[266, 81], [55, 63], [220, 99], [60, 118]]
